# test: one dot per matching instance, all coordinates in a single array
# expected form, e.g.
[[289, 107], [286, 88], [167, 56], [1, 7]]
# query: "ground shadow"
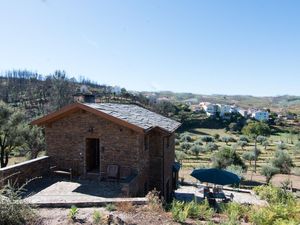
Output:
[[99, 189], [194, 131]]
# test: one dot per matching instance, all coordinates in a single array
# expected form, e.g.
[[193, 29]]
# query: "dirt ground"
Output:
[[140, 216]]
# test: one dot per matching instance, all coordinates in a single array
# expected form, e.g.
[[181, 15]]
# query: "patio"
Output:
[[55, 192], [189, 193]]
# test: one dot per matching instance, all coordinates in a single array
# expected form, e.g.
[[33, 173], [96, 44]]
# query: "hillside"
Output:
[[275, 103]]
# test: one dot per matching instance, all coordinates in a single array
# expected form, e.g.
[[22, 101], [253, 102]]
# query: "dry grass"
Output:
[[126, 207]]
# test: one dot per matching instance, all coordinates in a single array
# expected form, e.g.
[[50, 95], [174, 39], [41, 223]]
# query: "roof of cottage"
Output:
[[125, 114]]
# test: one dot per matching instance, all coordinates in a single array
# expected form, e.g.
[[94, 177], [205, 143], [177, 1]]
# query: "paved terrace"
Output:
[[53, 192], [188, 193]]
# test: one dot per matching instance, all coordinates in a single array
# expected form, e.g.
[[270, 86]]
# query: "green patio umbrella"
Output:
[[216, 176]]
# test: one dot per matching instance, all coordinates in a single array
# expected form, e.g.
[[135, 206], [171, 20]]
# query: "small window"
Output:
[[146, 143]]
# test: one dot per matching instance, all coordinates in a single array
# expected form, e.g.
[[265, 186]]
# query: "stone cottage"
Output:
[[124, 142]]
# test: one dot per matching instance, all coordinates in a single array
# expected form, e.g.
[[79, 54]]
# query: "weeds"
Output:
[[125, 207], [73, 212], [14, 211], [154, 202], [97, 217], [110, 207]]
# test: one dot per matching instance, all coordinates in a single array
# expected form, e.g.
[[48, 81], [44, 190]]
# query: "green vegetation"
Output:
[[16, 136], [97, 217], [110, 207], [13, 211], [73, 212]]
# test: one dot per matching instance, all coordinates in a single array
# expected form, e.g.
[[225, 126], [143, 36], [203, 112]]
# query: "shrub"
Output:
[[97, 217], [177, 142], [154, 202], [13, 211], [178, 212], [235, 212], [73, 212], [125, 207], [181, 210], [110, 207], [283, 161]]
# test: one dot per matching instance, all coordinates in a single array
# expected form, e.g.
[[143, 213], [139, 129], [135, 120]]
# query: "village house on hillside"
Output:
[[114, 141]]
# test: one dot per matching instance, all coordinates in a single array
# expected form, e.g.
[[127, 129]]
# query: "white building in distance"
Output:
[[260, 115]]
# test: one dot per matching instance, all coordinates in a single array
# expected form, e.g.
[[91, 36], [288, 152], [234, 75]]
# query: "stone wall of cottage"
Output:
[[162, 157], [66, 143], [23, 172]]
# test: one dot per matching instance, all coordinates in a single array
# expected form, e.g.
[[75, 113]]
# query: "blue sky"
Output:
[[208, 47]]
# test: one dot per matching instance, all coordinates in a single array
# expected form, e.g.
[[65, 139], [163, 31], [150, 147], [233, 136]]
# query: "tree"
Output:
[[244, 138], [249, 156], [242, 144], [226, 157], [216, 136], [185, 146], [283, 161], [11, 130], [266, 143], [297, 148], [211, 146], [226, 139], [253, 130], [179, 155], [196, 149], [207, 139], [34, 140], [269, 171], [261, 139]]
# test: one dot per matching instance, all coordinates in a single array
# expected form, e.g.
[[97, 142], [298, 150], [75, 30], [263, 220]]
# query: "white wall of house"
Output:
[[261, 115]]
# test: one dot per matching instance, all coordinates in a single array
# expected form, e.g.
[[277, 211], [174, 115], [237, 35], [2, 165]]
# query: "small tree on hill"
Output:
[[242, 144], [207, 139], [211, 146], [266, 143], [249, 156], [253, 130], [261, 139], [226, 139], [269, 171], [196, 149], [226, 157], [283, 161]]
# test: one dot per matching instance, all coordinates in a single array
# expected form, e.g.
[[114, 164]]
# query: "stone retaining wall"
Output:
[[22, 172]]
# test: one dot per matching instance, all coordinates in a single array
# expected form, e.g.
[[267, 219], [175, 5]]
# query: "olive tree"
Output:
[[253, 130]]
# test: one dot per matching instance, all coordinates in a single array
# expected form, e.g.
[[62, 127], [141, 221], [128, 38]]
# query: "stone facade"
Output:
[[22, 172], [149, 155]]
